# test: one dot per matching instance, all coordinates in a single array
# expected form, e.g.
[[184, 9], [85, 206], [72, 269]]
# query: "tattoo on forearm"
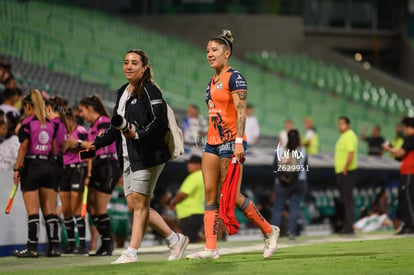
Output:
[[241, 113], [241, 125], [241, 119]]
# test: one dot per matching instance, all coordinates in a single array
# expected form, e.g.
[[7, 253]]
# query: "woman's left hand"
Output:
[[239, 152], [87, 180], [129, 134], [69, 143]]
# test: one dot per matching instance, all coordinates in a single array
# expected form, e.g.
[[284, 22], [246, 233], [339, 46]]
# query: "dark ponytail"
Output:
[[95, 102], [58, 106]]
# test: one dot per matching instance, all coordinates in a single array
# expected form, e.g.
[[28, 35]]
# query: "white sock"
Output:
[[173, 238], [132, 251]]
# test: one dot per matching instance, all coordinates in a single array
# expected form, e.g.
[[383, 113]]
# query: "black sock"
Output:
[[56, 231], [70, 230], [52, 229], [80, 224], [33, 229], [95, 220], [104, 228]]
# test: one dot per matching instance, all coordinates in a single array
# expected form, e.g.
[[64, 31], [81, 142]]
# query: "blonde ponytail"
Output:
[[38, 105]]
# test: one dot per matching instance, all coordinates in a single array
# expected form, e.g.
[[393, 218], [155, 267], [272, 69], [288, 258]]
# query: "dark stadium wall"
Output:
[[407, 62]]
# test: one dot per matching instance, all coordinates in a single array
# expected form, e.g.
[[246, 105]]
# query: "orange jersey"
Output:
[[222, 116]]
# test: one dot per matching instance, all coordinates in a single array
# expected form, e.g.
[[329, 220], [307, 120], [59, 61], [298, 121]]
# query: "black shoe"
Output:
[[54, 252], [405, 230], [68, 250], [26, 253], [104, 250], [291, 237], [80, 250], [347, 232]]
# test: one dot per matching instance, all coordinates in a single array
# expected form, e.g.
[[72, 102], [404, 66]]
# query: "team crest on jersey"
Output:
[[210, 103], [134, 101], [220, 86]]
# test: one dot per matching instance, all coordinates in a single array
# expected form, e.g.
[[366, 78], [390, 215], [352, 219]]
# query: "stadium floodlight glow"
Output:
[[366, 65], [358, 57]]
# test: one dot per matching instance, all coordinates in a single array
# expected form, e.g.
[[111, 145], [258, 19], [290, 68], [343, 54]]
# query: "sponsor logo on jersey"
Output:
[[43, 137], [240, 81]]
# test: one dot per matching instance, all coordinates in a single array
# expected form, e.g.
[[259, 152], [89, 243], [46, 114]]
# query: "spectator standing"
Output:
[[194, 126], [189, 201], [7, 80], [345, 162], [375, 141], [398, 139], [18, 104], [311, 139], [10, 97], [3, 130], [283, 135], [252, 126], [10, 146], [293, 192], [406, 187]]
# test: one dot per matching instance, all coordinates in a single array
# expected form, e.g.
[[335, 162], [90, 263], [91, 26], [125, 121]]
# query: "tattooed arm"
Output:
[[239, 99]]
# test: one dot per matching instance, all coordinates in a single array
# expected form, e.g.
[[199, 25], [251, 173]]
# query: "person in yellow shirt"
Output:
[[189, 201], [398, 140], [311, 138], [345, 163]]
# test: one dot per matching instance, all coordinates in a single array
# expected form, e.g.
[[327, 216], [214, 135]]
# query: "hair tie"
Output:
[[228, 43]]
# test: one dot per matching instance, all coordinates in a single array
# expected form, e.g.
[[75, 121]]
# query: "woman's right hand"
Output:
[[16, 177], [239, 152]]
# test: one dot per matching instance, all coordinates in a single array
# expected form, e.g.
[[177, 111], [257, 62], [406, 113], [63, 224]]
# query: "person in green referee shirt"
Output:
[[189, 201], [345, 165]]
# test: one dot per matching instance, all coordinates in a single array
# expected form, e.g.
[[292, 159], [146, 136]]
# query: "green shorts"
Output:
[[120, 227]]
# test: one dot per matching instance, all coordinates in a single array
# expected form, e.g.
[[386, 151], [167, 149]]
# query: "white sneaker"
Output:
[[271, 242], [125, 258], [205, 254], [177, 250]]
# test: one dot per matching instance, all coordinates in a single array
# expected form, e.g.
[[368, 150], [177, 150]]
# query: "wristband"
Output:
[[16, 170], [239, 140]]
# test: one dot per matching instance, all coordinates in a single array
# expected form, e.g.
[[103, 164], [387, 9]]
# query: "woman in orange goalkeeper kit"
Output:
[[226, 96]]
